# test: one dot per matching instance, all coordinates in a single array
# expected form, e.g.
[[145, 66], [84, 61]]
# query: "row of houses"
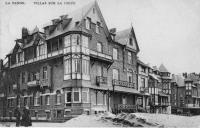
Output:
[[78, 65]]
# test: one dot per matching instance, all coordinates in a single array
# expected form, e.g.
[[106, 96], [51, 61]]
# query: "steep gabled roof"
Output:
[[123, 36], [78, 16], [179, 79], [162, 68]]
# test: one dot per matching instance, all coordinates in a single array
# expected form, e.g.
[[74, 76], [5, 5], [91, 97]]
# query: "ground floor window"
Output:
[[68, 96], [36, 99], [47, 98], [85, 95], [58, 97], [76, 94]]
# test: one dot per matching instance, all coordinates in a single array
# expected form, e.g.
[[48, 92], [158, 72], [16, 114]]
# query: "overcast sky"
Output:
[[168, 31]]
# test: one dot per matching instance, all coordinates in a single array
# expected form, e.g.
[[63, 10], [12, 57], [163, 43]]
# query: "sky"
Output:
[[167, 31]]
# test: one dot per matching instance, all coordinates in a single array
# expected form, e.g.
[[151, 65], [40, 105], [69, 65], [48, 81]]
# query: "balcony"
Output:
[[101, 56], [101, 80], [123, 83], [76, 49], [144, 89], [44, 82], [125, 106], [33, 83]]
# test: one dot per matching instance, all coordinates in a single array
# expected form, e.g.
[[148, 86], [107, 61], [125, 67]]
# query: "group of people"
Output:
[[24, 118]]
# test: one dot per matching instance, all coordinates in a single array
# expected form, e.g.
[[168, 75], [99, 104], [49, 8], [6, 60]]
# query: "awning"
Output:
[[47, 110]]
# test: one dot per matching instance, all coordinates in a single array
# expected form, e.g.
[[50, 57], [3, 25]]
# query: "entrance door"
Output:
[[124, 101]]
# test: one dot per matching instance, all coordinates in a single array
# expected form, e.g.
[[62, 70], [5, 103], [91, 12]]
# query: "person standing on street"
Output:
[[26, 119], [17, 114]]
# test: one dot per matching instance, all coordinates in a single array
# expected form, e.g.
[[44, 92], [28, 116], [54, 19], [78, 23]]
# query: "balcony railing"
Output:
[[38, 58], [123, 83], [33, 83], [101, 56], [125, 106], [101, 80], [44, 82]]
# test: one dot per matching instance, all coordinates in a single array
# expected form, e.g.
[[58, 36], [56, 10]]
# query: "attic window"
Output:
[[131, 41], [87, 23]]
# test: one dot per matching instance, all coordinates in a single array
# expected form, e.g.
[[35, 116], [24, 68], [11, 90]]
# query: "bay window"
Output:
[[85, 66], [76, 95], [68, 96], [67, 66], [67, 40], [75, 39], [85, 95], [76, 65], [85, 41]]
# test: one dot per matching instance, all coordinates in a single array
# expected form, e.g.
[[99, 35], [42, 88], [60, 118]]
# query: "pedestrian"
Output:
[[17, 114], [26, 118]]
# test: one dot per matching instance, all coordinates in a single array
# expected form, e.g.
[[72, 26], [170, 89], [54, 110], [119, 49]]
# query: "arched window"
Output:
[[58, 97]]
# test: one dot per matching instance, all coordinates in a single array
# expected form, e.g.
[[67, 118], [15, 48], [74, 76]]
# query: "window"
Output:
[[45, 72], [67, 41], [47, 99], [68, 96], [131, 41], [20, 57], [42, 50], [99, 47], [115, 74], [87, 23], [129, 58], [25, 101], [130, 77], [23, 77], [85, 66], [98, 27], [76, 95], [29, 76], [54, 45], [76, 65], [58, 97], [75, 39], [99, 70], [85, 95], [142, 82], [115, 54], [85, 41], [67, 66], [142, 69], [36, 99], [124, 100]]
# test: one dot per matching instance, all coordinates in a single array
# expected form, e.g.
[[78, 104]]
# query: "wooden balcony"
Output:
[[101, 80], [123, 83], [101, 56]]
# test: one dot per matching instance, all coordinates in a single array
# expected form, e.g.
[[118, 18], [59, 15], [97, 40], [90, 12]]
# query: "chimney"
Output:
[[113, 33], [63, 17], [185, 75], [113, 30], [24, 32], [1, 65], [55, 21]]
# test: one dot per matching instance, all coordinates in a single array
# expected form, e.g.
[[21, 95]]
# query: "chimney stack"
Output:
[[24, 32], [1, 65]]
